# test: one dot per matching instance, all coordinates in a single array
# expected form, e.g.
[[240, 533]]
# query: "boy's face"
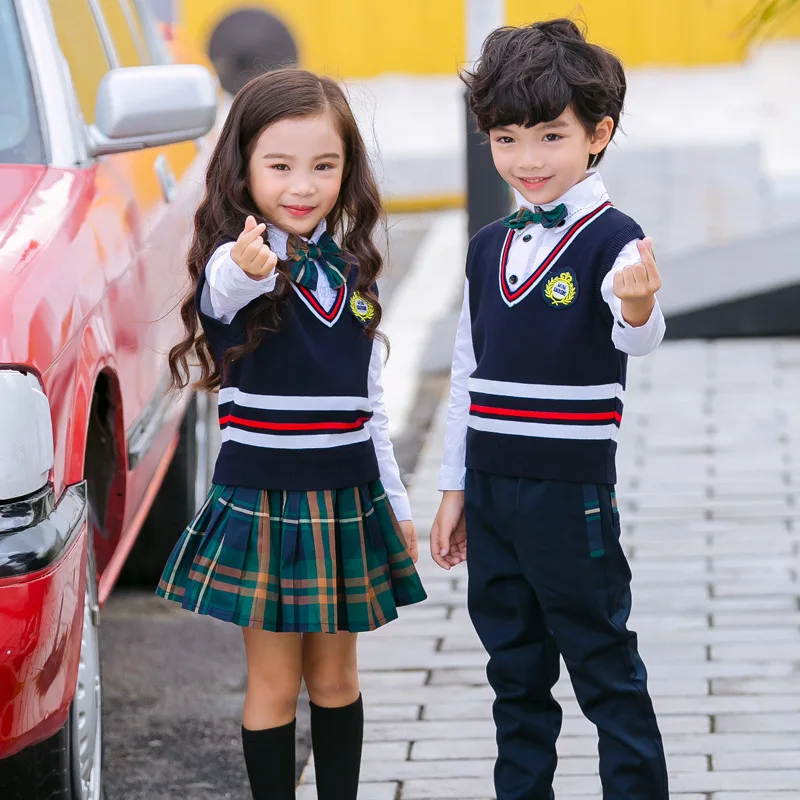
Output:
[[544, 161]]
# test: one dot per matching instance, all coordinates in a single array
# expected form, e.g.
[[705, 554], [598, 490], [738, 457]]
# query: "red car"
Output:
[[102, 151]]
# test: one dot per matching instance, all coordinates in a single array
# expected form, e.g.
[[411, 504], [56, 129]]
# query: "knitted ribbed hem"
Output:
[[542, 459], [299, 470]]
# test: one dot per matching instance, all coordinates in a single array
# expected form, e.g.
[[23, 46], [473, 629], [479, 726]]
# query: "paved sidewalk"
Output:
[[709, 493]]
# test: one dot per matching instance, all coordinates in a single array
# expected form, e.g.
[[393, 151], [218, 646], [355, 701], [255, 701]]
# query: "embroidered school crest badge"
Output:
[[561, 290], [362, 309]]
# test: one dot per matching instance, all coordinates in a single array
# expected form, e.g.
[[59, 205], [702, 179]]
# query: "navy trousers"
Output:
[[548, 577]]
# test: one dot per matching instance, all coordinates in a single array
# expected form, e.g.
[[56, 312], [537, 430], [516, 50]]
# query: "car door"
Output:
[[141, 212]]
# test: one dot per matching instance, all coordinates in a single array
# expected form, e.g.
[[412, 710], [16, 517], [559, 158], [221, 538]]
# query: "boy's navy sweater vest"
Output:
[[294, 413], [546, 397]]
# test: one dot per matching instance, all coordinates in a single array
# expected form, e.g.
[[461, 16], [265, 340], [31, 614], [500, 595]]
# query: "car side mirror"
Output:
[[140, 107]]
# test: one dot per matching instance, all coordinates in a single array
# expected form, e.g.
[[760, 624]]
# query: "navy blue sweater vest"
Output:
[[546, 397], [294, 412]]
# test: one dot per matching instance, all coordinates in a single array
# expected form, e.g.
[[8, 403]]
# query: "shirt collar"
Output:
[[582, 196], [278, 239]]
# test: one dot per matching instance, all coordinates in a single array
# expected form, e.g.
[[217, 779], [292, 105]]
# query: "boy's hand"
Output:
[[449, 532], [637, 285], [410, 535], [250, 253]]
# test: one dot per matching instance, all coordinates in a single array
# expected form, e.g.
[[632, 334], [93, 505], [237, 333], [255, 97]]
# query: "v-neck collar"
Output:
[[329, 318], [513, 296], [278, 241]]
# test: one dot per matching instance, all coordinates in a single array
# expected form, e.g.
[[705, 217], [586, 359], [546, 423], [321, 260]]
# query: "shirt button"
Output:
[[527, 237], [512, 279]]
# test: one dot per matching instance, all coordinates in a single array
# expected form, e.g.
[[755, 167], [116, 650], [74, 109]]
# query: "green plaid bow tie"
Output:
[[325, 252], [548, 219]]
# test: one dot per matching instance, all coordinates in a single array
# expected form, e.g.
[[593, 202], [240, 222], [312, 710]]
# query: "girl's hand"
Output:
[[637, 285], [410, 535], [449, 531], [250, 253]]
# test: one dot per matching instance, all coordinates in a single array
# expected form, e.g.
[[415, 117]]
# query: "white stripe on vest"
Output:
[[547, 391], [297, 442], [287, 402]]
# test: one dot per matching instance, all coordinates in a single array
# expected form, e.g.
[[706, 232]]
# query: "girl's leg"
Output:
[[330, 670], [274, 671]]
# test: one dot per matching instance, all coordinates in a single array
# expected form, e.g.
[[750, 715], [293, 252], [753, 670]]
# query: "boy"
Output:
[[557, 296]]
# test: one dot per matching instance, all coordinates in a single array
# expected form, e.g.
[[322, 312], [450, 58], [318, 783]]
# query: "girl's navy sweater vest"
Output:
[[546, 397], [294, 413]]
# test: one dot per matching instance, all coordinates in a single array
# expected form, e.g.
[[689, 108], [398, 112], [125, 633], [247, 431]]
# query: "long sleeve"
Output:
[[633, 341], [379, 431], [228, 288], [453, 470]]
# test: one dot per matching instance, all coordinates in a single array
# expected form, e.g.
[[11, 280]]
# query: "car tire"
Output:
[[86, 712], [68, 765], [177, 501]]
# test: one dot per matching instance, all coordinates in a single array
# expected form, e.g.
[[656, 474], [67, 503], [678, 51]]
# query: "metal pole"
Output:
[[488, 195]]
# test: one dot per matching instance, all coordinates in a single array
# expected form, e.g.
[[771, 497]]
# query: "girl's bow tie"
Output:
[[325, 252], [548, 219]]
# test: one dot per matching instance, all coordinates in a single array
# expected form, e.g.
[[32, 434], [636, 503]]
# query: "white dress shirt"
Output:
[[229, 289], [523, 259]]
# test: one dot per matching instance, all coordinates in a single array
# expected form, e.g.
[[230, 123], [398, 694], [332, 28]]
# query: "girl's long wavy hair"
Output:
[[265, 100]]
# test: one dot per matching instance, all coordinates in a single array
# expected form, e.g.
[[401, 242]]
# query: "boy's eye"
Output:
[[505, 139], [552, 137]]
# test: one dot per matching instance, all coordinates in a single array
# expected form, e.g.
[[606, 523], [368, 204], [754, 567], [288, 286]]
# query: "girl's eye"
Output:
[[280, 167], [552, 137], [324, 166]]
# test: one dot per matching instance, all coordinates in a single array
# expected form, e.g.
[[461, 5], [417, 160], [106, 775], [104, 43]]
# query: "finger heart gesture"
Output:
[[251, 253], [639, 281]]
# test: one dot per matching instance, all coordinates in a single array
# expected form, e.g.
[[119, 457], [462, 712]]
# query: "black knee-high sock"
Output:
[[270, 760], [337, 735]]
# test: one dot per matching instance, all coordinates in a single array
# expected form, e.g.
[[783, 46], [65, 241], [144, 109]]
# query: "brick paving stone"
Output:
[[755, 780], [366, 791], [790, 794]]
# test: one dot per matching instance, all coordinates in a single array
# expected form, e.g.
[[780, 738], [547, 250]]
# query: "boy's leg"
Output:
[[523, 659], [575, 562]]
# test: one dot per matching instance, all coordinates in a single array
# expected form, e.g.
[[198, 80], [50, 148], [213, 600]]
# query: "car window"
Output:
[[20, 135], [137, 24], [128, 41], [83, 49]]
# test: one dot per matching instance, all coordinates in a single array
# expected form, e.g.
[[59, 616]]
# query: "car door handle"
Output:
[[166, 178]]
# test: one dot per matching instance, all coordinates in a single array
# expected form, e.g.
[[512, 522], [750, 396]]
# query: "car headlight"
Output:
[[26, 435]]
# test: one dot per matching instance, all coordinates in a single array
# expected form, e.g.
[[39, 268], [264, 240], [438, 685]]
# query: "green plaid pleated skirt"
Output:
[[294, 561]]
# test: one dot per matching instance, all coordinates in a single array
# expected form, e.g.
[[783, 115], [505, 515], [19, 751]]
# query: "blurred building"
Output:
[[365, 38]]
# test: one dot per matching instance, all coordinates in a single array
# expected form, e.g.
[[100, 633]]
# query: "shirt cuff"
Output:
[[452, 479], [401, 507], [239, 279]]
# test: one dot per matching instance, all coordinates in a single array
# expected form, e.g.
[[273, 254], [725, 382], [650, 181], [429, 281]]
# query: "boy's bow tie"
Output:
[[548, 219], [325, 252]]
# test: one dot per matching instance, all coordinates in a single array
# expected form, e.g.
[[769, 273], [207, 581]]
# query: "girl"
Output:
[[298, 541]]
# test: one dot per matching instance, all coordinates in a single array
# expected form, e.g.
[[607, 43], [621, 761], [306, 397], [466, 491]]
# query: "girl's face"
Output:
[[545, 161], [296, 171]]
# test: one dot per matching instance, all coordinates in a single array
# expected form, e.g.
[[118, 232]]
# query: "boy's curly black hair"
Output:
[[530, 74]]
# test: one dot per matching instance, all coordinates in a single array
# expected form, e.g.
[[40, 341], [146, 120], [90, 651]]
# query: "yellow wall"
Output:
[[359, 38], [674, 32], [355, 38]]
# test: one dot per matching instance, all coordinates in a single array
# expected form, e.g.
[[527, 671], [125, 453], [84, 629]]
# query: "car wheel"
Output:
[[86, 718]]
